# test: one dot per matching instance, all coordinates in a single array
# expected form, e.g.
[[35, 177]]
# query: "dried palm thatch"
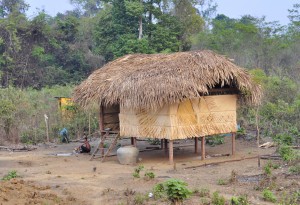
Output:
[[151, 81]]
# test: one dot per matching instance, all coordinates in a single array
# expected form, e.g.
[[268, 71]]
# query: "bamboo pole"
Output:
[[101, 127], [171, 158]]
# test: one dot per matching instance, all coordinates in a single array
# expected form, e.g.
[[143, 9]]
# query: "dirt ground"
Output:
[[46, 178]]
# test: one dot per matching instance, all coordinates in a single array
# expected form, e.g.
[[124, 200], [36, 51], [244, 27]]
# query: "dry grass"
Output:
[[150, 81]]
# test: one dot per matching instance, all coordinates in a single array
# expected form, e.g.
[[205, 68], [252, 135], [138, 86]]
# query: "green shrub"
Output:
[[217, 199], [149, 175], [287, 153], [269, 196], [284, 138], [240, 200], [177, 190], [267, 170], [12, 174], [159, 191]]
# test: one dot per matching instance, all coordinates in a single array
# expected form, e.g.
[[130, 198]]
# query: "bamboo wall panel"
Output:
[[205, 116], [111, 117]]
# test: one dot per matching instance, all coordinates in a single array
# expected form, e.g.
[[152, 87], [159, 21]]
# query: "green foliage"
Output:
[[137, 170], [7, 114], [153, 141], [24, 111], [177, 190], [222, 182], [159, 191], [295, 169], [217, 199], [12, 174], [215, 140], [240, 200], [149, 175], [269, 196], [289, 198], [287, 153], [268, 169]]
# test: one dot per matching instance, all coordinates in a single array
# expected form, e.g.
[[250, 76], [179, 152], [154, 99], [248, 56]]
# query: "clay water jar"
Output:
[[127, 154]]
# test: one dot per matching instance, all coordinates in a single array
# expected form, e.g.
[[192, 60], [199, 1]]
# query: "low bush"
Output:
[[149, 175], [269, 196], [217, 199], [295, 169], [159, 191], [240, 200], [174, 189], [177, 190]]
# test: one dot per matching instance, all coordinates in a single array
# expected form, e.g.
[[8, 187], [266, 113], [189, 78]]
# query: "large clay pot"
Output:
[[127, 155]]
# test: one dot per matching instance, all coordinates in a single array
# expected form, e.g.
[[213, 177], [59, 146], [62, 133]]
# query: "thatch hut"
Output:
[[169, 96]]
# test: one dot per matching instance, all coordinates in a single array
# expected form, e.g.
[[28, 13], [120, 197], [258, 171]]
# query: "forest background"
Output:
[[45, 57]]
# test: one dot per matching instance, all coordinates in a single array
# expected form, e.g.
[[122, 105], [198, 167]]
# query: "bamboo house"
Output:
[[169, 96]]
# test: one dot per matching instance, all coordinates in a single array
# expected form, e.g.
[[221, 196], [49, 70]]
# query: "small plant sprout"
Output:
[[137, 170], [269, 196], [12, 174]]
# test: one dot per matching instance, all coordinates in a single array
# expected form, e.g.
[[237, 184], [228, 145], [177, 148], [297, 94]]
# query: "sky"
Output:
[[274, 10]]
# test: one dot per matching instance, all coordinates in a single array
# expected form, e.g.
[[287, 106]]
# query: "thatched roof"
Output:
[[152, 80]]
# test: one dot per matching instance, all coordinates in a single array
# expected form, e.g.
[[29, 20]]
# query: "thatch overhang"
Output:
[[149, 81]]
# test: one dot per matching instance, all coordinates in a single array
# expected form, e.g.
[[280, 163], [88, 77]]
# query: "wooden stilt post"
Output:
[[233, 142], [166, 144], [132, 141], [171, 159], [196, 145], [203, 148], [101, 128], [162, 144]]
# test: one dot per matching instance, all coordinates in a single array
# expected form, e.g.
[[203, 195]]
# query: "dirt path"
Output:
[[76, 180]]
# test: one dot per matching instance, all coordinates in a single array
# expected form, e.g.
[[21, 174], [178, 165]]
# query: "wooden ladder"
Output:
[[100, 146]]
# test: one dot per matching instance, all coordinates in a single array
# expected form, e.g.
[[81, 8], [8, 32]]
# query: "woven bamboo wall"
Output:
[[205, 116], [111, 117]]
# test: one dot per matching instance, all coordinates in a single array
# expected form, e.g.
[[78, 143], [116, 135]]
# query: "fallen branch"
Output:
[[217, 163], [17, 149], [5, 148], [272, 157]]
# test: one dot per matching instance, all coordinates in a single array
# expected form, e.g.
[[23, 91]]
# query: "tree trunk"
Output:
[[140, 27]]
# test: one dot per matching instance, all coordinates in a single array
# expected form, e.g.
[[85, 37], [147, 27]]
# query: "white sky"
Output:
[[274, 10]]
